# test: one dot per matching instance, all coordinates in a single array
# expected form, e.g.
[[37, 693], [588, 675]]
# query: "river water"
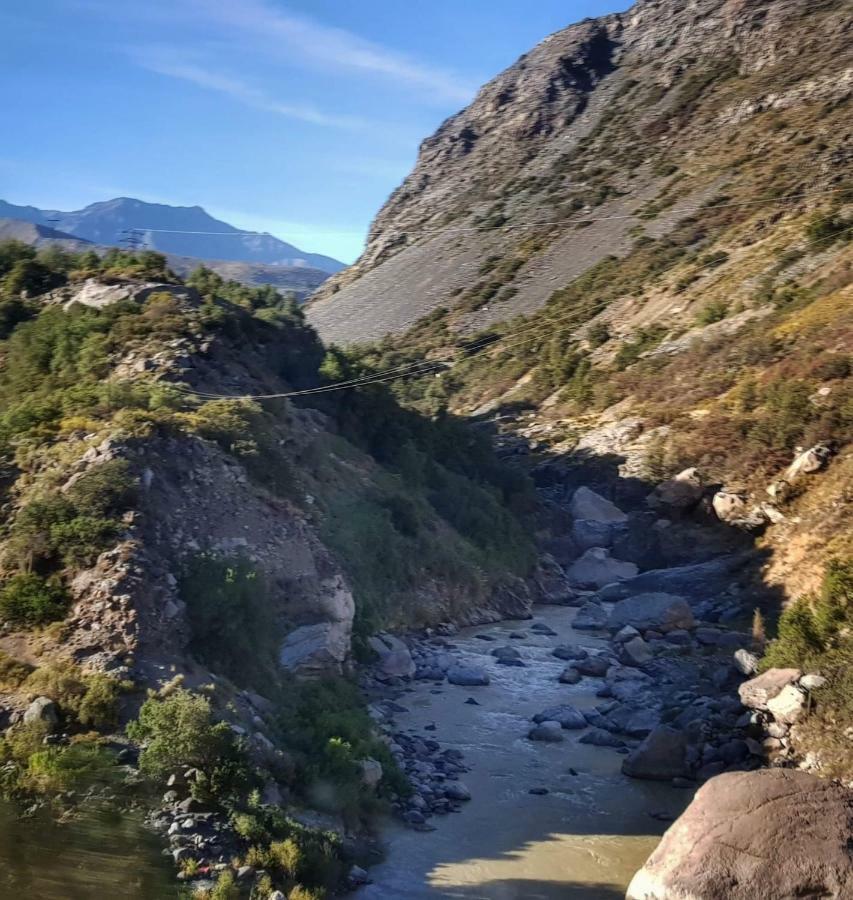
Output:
[[584, 839]]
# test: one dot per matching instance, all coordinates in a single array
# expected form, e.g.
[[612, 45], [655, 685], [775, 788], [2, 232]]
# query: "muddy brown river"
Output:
[[584, 839]]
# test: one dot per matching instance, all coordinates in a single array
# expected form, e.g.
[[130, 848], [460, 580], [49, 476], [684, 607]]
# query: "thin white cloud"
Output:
[[244, 93], [332, 47]]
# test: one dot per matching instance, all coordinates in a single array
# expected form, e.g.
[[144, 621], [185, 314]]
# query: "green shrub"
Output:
[[715, 311], [28, 599], [180, 731], [65, 768], [103, 490]]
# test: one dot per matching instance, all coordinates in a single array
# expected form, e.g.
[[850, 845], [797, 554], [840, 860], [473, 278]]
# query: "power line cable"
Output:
[[425, 366]]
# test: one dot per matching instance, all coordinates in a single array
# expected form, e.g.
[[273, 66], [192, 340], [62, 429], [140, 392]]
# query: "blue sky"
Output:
[[288, 116]]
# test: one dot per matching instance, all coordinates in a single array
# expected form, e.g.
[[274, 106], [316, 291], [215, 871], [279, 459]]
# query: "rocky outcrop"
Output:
[[698, 581], [772, 833], [680, 492], [660, 757]]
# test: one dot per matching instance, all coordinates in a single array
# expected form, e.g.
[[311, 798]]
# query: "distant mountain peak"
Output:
[[171, 229]]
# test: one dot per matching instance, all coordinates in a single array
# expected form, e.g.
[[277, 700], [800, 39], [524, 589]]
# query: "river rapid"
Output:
[[584, 838]]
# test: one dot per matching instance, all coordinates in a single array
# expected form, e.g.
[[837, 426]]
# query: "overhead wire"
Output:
[[425, 367]]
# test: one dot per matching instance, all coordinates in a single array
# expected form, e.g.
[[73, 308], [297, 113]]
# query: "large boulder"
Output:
[[661, 756], [394, 656], [756, 692], [658, 611], [597, 567], [586, 504], [635, 652], [773, 833], [42, 710], [681, 492], [700, 580], [729, 506], [312, 650]]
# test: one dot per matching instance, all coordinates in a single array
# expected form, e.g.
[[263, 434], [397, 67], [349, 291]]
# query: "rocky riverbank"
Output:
[[647, 668]]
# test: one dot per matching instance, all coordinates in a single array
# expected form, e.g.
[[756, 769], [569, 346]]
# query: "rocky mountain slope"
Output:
[[609, 133], [209, 238]]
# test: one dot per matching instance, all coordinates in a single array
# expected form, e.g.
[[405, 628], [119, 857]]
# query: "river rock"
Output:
[[317, 649], [635, 652], [395, 658], [661, 756], [770, 833], [567, 715], [549, 732], [567, 653], [659, 611], [625, 634], [586, 504], [595, 666], [569, 675], [457, 790], [506, 652], [756, 692], [597, 568], [598, 737], [590, 616], [467, 676], [789, 705], [43, 710]]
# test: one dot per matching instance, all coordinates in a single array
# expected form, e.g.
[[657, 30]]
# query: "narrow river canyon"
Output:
[[584, 838]]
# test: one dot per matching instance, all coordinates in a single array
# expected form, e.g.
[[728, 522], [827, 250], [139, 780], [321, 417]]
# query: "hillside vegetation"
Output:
[[118, 609]]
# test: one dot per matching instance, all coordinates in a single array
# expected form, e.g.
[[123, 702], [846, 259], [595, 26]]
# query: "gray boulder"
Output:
[[745, 662], [809, 462], [43, 710], [394, 656], [597, 568], [658, 611], [569, 675], [567, 715], [635, 652], [598, 737], [595, 666], [551, 583], [506, 652], [789, 705], [681, 492], [467, 676], [549, 732], [770, 833], [661, 756], [456, 790], [586, 504]]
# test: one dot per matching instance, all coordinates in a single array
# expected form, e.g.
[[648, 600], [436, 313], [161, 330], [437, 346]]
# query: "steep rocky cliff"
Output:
[[655, 111]]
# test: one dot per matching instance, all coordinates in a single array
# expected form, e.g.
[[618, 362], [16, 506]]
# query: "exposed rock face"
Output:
[[43, 710], [770, 833], [316, 649], [810, 461], [700, 580]]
